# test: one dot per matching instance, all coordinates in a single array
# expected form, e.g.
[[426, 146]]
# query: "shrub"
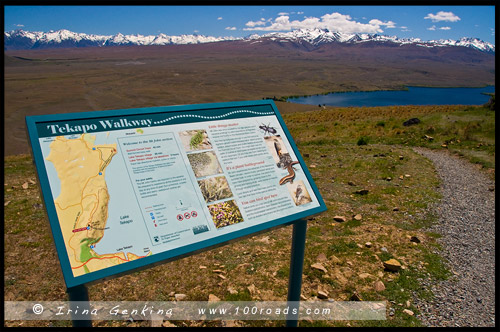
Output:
[[363, 140]]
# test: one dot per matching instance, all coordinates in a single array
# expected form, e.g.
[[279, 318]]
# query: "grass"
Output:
[[392, 211]]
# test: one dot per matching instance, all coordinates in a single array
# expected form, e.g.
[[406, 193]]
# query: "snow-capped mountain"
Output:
[[318, 37], [19, 39]]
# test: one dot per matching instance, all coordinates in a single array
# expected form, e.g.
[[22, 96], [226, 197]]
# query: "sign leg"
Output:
[[78, 302], [296, 267]]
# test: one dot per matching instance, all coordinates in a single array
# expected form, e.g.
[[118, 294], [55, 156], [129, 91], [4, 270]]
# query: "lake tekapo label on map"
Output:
[[127, 189]]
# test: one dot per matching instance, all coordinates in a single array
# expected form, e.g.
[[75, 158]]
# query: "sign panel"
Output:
[[125, 189]]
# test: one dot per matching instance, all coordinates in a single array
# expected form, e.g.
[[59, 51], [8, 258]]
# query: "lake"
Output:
[[413, 96]]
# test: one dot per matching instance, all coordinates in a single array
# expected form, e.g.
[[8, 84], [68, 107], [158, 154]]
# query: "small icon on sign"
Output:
[[180, 217], [194, 214], [156, 239], [187, 215]]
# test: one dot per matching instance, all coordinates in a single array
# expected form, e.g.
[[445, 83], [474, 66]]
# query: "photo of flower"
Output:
[[225, 214]]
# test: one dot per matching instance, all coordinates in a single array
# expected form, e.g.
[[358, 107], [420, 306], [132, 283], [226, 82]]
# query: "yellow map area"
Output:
[[82, 205]]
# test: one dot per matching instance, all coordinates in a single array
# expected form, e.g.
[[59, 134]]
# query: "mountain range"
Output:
[[309, 39]]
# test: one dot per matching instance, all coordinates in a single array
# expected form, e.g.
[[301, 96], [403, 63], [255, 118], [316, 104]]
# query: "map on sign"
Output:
[[139, 186]]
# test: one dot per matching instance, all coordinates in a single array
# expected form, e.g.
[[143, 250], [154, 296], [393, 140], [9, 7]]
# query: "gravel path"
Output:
[[467, 225]]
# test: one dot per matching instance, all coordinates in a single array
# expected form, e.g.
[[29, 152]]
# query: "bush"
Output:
[[363, 140]]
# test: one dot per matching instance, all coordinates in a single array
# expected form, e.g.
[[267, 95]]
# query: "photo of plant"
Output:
[[193, 140], [214, 189], [204, 163], [299, 193], [225, 214]]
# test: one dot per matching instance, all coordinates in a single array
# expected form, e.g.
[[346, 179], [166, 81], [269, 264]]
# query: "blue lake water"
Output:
[[414, 96]]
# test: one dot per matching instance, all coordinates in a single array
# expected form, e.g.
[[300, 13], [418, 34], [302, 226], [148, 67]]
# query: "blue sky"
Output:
[[425, 22]]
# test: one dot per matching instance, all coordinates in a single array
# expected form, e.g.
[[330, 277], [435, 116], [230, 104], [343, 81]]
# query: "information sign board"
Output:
[[125, 189]]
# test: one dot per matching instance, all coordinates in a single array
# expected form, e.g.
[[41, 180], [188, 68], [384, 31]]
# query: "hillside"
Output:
[[381, 223], [60, 80]]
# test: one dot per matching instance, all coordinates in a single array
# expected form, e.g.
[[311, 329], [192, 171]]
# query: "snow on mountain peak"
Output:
[[315, 37]]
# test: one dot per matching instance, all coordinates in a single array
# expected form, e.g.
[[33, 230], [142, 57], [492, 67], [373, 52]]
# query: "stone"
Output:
[[319, 266], [410, 122], [264, 239], [429, 138], [351, 183], [321, 257], [322, 295], [25, 185], [168, 324], [180, 297], [408, 312], [213, 298], [365, 275], [252, 289], [231, 290], [312, 166], [384, 249], [335, 260], [339, 218], [415, 239], [221, 276], [392, 265], [368, 244], [395, 209], [388, 178], [355, 297], [202, 267], [379, 286], [401, 157], [362, 192], [217, 271], [358, 217]]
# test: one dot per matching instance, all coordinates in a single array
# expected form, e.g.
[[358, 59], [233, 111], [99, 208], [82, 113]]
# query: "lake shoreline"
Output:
[[405, 88], [381, 98]]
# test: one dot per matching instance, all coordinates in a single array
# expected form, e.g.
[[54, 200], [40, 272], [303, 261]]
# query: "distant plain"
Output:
[[85, 79]]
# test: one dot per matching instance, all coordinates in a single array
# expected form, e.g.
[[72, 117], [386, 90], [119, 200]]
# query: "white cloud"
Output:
[[388, 24], [283, 14], [432, 28], [231, 28], [252, 24], [442, 17], [219, 18], [334, 21], [19, 25], [445, 28]]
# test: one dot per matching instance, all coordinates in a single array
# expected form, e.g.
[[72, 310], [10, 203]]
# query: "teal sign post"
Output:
[[127, 189]]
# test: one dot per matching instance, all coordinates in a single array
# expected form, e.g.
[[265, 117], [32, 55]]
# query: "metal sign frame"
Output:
[[34, 123]]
